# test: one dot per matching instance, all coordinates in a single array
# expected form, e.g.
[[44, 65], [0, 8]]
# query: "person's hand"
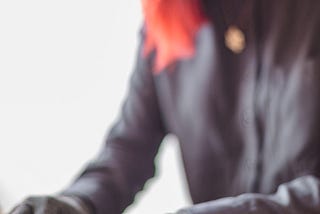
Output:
[[51, 205]]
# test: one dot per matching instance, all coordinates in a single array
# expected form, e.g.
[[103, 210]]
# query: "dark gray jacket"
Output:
[[248, 124]]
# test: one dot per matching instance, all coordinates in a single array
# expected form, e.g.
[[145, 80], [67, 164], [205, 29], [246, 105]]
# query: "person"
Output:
[[237, 81]]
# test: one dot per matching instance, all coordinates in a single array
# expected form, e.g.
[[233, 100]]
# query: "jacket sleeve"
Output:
[[301, 195], [110, 182]]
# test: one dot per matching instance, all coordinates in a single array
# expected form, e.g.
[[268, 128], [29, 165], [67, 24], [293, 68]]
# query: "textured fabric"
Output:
[[171, 27], [248, 124]]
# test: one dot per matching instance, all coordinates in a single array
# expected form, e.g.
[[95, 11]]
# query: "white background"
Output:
[[64, 67]]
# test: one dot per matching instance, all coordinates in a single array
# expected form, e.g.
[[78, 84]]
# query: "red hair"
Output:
[[171, 26]]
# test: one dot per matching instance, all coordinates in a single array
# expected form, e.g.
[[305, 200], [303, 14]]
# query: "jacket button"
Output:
[[235, 39]]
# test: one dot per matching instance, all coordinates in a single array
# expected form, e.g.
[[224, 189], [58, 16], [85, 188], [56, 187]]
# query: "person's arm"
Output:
[[109, 183], [301, 195], [52, 205], [126, 161]]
